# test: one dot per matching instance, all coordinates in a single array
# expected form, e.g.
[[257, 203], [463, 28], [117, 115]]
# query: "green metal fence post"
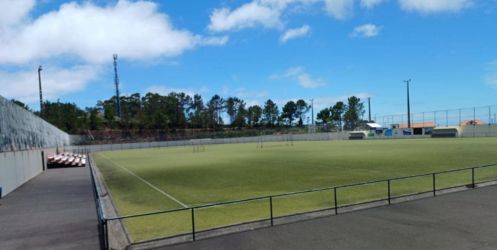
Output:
[[271, 209], [434, 185], [473, 177], [336, 202], [106, 234], [193, 223], [389, 199]]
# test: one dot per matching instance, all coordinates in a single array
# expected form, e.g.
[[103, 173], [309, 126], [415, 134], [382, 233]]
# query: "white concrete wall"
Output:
[[23, 136], [16, 168], [479, 130]]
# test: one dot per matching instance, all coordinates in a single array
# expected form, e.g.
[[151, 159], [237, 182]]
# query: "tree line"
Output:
[[344, 116], [182, 111]]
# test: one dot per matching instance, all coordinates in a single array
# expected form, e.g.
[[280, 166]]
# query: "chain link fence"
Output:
[[208, 141], [485, 115]]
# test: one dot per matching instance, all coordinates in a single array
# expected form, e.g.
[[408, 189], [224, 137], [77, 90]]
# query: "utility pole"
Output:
[[408, 105], [369, 109], [116, 82], [312, 111], [41, 94]]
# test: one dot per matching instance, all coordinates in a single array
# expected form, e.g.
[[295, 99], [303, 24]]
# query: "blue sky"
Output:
[[254, 49]]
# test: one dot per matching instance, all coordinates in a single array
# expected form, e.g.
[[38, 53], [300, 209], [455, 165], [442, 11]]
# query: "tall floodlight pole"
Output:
[[41, 94], [369, 109], [408, 105], [116, 81]]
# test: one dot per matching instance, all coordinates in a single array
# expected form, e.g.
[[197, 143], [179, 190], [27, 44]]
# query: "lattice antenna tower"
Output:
[[41, 93], [116, 82]]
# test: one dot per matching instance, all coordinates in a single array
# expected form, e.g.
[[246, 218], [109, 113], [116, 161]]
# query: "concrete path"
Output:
[[55, 210], [464, 220]]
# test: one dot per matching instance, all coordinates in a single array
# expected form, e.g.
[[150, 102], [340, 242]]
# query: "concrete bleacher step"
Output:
[[66, 159]]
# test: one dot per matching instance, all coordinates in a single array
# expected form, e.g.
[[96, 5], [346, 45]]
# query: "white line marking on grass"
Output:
[[146, 182]]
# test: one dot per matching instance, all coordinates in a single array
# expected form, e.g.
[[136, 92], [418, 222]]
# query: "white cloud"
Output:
[[285, 3], [23, 85], [295, 33], [366, 30], [306, 81], [265, 13], [212, 41], [432, 6], [269, 13], [340, 9], [368, 4], [14, 11], [302, 78], [290, 72], [134, 30], [246, 16]]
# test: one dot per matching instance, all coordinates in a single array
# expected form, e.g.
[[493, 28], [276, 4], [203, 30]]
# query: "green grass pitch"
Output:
[[146, 180]]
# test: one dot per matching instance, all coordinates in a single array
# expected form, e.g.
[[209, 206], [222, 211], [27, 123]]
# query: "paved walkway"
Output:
[[55, 210], [464, 220]]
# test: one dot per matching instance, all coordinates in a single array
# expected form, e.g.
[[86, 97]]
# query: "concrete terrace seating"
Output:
[[66, 160]]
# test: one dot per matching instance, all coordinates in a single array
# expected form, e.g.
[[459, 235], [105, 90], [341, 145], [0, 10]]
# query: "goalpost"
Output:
[[260, 141], [289, 139], [198, 145], [283, 140]]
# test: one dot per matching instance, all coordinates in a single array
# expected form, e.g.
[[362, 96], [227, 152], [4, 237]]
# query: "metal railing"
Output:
[[337, 198], [102, 221]]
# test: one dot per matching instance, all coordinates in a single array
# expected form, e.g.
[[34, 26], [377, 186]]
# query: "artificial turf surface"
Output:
[[179, 177]]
